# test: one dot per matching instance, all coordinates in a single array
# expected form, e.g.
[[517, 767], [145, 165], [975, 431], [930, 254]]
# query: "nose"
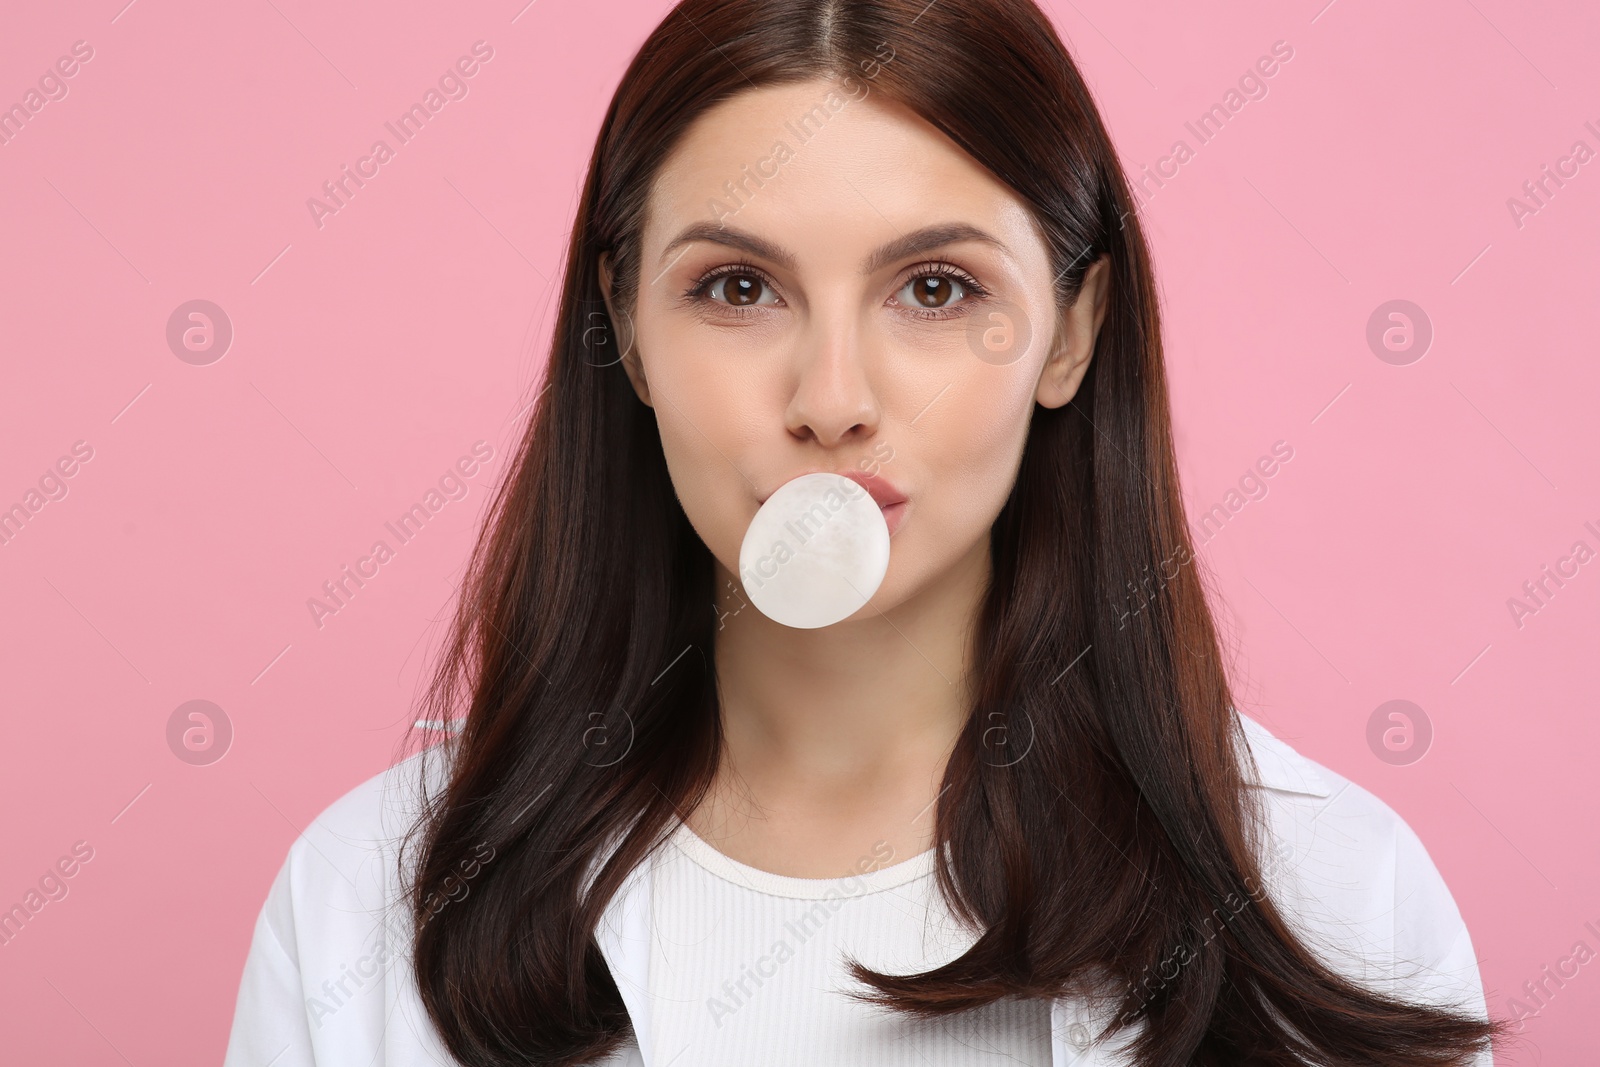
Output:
[[834, 400]]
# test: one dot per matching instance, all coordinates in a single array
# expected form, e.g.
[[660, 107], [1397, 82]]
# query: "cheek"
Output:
[[977, 441], [969, 456], [708, 425]]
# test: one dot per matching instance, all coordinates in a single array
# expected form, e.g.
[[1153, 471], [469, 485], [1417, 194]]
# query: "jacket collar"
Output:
[[623, 933]]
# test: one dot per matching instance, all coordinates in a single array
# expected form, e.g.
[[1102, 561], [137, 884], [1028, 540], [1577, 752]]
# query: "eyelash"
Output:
[[975, 291]]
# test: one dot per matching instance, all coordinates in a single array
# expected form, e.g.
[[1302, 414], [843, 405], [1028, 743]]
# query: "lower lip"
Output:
[[894, 515]]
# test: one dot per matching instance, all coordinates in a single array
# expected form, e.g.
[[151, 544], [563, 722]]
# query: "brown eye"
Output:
[[939, 289], [739, 290], [931, 291]]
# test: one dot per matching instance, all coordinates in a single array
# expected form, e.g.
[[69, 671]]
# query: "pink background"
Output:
[[373, 352]]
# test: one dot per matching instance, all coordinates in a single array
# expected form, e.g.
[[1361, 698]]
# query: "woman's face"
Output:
[[873, 300]]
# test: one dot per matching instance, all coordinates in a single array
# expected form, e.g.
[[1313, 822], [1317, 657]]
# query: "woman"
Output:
[[1005, 812]]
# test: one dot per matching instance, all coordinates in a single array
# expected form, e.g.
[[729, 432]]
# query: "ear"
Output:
[[631, 363], [1065, 367]]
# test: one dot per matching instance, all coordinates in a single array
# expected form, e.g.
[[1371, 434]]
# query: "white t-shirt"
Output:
[[747, 967]]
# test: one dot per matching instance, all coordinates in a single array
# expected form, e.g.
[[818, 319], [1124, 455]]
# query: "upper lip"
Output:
[[882, 491]]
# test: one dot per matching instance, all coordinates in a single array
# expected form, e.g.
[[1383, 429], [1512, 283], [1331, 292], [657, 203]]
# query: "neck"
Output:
[[840, 734]]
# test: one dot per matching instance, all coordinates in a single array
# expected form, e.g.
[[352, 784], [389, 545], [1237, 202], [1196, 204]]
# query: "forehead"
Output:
[[838, 163]]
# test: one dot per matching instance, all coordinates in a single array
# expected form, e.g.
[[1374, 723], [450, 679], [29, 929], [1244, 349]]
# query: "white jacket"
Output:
[[327, 982]]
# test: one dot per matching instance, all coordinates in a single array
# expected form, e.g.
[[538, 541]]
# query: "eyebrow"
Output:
[[911, 244]]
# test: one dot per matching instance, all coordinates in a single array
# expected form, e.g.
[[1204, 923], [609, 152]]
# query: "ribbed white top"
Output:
[[746, 967]]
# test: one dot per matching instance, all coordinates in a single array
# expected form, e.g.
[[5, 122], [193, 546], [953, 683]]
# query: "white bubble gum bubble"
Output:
[[815, 552]]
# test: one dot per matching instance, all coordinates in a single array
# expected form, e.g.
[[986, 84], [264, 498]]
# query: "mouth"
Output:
[[890, 500], [894, 514]]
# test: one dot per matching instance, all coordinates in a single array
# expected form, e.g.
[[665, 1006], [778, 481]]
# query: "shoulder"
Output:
[[1355, 879], [340, 877], [325, 974], [380, 810]]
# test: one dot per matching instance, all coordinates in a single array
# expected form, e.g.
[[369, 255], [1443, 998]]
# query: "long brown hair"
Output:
[[582, 649]]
